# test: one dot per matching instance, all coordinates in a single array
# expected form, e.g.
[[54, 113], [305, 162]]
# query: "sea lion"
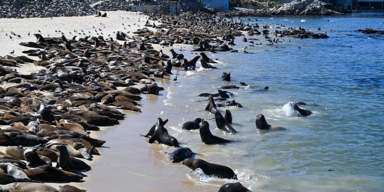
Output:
[[192, 125], [222, 123], [228, 116], [208, 138], [230, 87], [152, 130], [63, 160], [161, 136], [69, 188], [18, 138], [15, 151], [206, 59], [33, 158], [27, 187], [206, 65], [232, 103], [126, 105], [292, 109], [233, 187], [211, 106], [48, 173], [6, 179], [14, 170], [210, 169], [226, 76], [180, 154], [261, 123]]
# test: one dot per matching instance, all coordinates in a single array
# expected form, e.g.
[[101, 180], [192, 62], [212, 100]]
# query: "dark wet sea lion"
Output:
[[230, 87], [161, 136], [233, 187], [206, 65], [27, 187], [223, 94], [222, 123], [48, 173], [208, 138], [69, 188], [192, 125], [211, 106], [206, 59], [303, 112], [18, 138], [6, 179], [210, 169], [63, 160], [226, 76], [228, 116], [180, 154], [33, 158], [152, 130], [261, 123], [232, 103]]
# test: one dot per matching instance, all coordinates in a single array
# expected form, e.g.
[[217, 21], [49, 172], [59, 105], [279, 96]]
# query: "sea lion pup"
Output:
[[33, 158], [211, 106], [192, 125], [205, 65], [161, 136], [152, 130], [222, 123], [210, 169], [180, 154], [27, 187], [262, 124], [48, 173], [206, 59], [228, 116], [226, 76], [292, 109], [69, 188], [208, 138], [233, 187]]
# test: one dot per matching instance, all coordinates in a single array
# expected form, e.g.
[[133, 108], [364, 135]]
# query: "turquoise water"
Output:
[[339, 147]]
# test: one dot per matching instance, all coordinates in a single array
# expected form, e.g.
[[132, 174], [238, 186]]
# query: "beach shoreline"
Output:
[[93, 180]]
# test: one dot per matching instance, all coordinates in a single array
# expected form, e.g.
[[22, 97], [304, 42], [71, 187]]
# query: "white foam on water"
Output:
[[302, 21], [289, 111]]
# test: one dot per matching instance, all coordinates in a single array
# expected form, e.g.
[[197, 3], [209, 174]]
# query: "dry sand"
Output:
[[127, 161]]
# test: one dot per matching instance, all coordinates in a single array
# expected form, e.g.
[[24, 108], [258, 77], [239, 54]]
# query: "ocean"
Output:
[[340, 147]]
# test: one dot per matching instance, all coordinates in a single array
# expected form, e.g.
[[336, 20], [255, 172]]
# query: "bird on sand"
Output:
[[175, 79]]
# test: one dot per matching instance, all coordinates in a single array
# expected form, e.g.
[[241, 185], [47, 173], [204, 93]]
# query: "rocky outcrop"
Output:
[[296, 7], [371, 31]]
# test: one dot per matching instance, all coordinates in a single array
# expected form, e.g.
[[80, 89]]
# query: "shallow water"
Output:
[[338, 147]]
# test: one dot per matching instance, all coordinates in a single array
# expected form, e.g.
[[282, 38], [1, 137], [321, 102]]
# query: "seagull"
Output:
[[29, 33], [10, 37], [39, 30], [12, 52], [175, 79]]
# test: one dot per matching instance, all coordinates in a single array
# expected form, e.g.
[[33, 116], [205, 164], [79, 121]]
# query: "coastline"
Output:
[[94, 180]]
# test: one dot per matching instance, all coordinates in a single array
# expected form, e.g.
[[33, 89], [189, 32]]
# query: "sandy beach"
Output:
[[127, 162]]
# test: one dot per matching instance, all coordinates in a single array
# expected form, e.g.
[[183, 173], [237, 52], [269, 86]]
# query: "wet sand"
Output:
[[127, 161]]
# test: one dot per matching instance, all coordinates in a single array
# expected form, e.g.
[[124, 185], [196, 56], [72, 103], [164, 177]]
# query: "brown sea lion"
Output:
[[33, 158], [27, 187], [208, 138], [69, 188]]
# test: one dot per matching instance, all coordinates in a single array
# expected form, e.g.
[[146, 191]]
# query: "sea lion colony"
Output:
[[54, 108]]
